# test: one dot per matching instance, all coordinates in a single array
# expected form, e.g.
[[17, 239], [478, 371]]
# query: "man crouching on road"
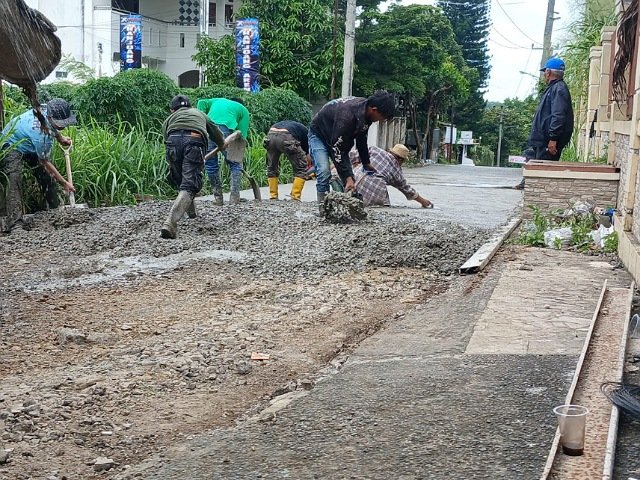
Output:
[[186, 133], [27, 139], [372, 187]]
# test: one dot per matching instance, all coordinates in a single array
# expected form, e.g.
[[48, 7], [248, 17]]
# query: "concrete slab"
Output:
[[549, 312], [477, 196]]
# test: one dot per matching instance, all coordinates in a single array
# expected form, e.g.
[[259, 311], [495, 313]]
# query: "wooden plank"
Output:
[[481, 257], [610, 455]]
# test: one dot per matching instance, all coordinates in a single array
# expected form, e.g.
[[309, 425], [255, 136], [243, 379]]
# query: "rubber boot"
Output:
[[296, 188], [321, 196], [234, 196], [273, 188], [180, 205], [191, 211], [216, 189]]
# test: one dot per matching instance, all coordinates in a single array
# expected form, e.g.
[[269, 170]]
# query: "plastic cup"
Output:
[[572, 421]]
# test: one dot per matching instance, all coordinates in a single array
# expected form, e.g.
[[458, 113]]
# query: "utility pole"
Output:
[[349, 48], [100, 50], [548, 30], [500, 136], [334, 60]]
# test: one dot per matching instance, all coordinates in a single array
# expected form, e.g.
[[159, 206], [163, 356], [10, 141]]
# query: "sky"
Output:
[[516, 25]]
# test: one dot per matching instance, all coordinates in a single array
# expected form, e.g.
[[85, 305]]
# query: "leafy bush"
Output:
[[266, 107], [65, 90], [214, 91], [114, 166], [137, 96], [14, 102], [275, 104]]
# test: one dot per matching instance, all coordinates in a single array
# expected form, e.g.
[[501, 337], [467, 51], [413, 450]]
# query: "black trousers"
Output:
[[185, 154], [47, 183]]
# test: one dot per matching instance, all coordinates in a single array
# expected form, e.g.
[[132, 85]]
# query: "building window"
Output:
[[228, 15], [182, 40], [150, 36], [132, 6], [61, 74], [212, 13]]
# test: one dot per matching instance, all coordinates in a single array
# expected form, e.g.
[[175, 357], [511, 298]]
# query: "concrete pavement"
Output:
[[461, 388], [476, 196]]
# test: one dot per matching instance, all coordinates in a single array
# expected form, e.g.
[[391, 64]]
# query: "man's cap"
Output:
[[59, 111], [179, 101], [401, 151], [554, 63]]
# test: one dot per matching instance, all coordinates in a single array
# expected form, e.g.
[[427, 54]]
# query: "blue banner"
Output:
[[248, 54], [130, 41]]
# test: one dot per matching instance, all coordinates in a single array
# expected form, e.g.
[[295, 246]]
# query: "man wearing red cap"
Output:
[[553, 122]]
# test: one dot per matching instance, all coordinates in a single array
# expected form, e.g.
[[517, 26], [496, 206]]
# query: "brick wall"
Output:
[[549, 194]]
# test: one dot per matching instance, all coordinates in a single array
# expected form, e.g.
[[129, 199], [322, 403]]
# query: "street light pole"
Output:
[[500, 137]]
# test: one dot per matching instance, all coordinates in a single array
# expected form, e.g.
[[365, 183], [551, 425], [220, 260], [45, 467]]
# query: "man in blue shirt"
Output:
[[26, 139]]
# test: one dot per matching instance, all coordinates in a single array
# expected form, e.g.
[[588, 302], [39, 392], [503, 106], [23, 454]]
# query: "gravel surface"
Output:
[[115, 343]]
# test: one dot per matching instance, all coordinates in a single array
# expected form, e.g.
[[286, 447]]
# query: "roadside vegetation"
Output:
[[118, 153], [579, 228]]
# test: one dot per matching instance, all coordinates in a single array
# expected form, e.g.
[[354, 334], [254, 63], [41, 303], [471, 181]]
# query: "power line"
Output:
[[507, 39], [515, 24], [507, 46]]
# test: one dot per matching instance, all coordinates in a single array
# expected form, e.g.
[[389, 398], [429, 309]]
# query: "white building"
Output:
[[90, 32]]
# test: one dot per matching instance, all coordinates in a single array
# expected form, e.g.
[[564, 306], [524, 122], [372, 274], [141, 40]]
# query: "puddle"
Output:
[[106, 269]]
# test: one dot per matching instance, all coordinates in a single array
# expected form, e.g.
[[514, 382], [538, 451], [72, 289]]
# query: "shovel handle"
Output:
[[211, 153], [67, 161]]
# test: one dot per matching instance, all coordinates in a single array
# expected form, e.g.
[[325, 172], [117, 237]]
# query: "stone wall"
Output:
[[549, 194], [621, 160]]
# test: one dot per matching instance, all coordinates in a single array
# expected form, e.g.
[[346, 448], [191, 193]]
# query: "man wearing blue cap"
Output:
[[553, 122]]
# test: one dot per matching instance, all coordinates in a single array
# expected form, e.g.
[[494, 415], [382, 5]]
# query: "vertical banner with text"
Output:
[[130, 41], [248, 54]]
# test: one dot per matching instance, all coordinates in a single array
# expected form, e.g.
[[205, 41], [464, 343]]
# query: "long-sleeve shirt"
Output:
[[554, 116], [194, 120], [373, 187], [339, 124], [222, 111]]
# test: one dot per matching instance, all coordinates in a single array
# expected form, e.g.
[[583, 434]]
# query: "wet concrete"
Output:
[[474, 196]]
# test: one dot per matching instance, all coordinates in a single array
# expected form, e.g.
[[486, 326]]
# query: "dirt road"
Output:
[[115, 343]]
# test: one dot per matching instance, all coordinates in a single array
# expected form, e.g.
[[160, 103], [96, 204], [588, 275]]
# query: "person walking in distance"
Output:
[[186, 133], [552, 125], [334, 130], [291, 139]]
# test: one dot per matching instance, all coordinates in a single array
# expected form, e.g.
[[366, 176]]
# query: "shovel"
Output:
[[235, 152], [72, 195]]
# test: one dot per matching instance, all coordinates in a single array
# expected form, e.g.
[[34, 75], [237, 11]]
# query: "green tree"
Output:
[[295, 43], [470, 21], [218, 59], [411, 50], [516, 125]]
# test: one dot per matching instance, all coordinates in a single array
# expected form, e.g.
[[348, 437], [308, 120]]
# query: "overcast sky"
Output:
[[516, 25]]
